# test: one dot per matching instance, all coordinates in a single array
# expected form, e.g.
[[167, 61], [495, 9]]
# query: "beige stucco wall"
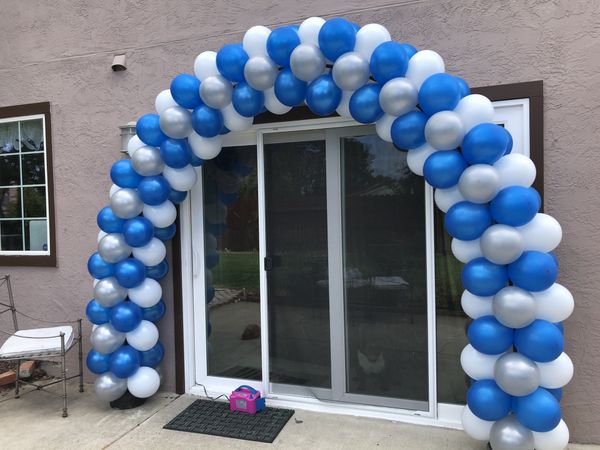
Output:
[[61, 52]]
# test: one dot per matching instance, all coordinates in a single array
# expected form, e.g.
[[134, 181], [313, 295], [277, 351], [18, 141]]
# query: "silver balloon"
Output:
[[113, 248], [510, 434], [105, 339], [126, 203], [514, 307], [350, 71], [398, 96], [108, 387], [147, 161], [176, 122], [516, 374], [479, 183], [444, 130], [216, 91], [307, 62], [501, 244], [108, 292], [260, 72]]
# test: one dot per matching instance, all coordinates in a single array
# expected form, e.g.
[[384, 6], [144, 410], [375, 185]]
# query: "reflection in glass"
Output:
[[9, 135], [33, 168], [232, 264], [384, 271], [9, 170], [34, 199], [10, 202], [32, 132], [36, 235], [11, 233], [296, 213]]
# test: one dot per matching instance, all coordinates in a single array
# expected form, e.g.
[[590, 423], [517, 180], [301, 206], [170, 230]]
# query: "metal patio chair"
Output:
[[40, 344]]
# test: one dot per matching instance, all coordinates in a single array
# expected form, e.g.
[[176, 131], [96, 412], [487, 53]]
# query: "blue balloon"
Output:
[[138, 231], [98, 268], [484, 278], [487, 401], [108, 221], [125, 361], [231, 60], [154, 356], [558, 393], [467, 221], [125, 316], [336, 37], [439, 92], [485, 143], [489, 336], [560, 326], [443, 169], [289, 90], [175, 153], [130, 272], [148, 130], [463, 87], [123, 175], [323, 96], [408, 131], [158, 271], [165, 234], [538, 411], [540, 341], [364, 104], [177, 197], [224, 130], [515, 205], [194, 160], [97, 362], [409, 49], [533, 271], [154, 313], [154, 190], [389, 60], [207, 121], [185, 90], [210, 294], [96, 313], [281, 43], [212, 259], [246, 100]]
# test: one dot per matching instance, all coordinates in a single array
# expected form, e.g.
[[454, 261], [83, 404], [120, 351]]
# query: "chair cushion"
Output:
[[45, 344]]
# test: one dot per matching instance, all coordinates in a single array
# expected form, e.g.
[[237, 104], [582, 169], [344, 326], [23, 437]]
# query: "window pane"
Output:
[[35, 201], [36, 235], [11, 236], [33, 169], [9, 170], [9, 134], [10, 202], [32, 135]]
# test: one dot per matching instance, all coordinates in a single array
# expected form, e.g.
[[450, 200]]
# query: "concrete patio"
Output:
[[34, 422]]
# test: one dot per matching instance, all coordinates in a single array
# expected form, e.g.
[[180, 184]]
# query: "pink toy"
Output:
[[246, 399]]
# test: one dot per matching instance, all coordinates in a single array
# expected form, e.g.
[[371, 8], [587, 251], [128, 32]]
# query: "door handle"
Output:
[[268, 263]]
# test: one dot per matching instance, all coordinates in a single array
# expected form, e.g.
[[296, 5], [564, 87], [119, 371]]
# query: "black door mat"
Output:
[[215, 418]]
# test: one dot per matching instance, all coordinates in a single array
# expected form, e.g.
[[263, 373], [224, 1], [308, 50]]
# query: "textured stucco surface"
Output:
[[61, 52]]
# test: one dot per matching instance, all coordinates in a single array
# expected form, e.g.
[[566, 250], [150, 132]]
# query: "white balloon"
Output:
[[556, 439], [474, 109], [556, 374], [369, 37], [163, 101], [542, 233], [205, 65], [309, 30], [475, 306], [235, 121], [554, 304], [422, 65], [383, 127], [466, 251], [475, 427], [101, 234], [416, 157], [515, 169], [161, 215], [205, 148], [182, 179], [343, 108], [447, 198], [273, 104], [152, 253], [147, 294], [143, 337], [134, 143], [144, 382], [255, 41], [114, 188], [477, 365]]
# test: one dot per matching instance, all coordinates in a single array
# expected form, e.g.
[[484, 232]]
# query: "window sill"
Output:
[[28, 260]]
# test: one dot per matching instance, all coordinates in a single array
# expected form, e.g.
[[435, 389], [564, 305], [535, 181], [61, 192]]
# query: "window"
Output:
[[26, 195]]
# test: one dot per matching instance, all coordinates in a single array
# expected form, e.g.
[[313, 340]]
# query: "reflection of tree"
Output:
[[35, 202]]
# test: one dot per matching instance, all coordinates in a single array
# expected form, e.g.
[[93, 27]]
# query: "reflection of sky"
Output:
[[384, 159]]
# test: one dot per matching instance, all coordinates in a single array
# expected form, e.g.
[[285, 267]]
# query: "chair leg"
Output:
[[64, 374], [17, 378], [80, 359]]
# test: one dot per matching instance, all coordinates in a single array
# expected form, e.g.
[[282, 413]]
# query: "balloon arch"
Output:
[[515, 356]]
